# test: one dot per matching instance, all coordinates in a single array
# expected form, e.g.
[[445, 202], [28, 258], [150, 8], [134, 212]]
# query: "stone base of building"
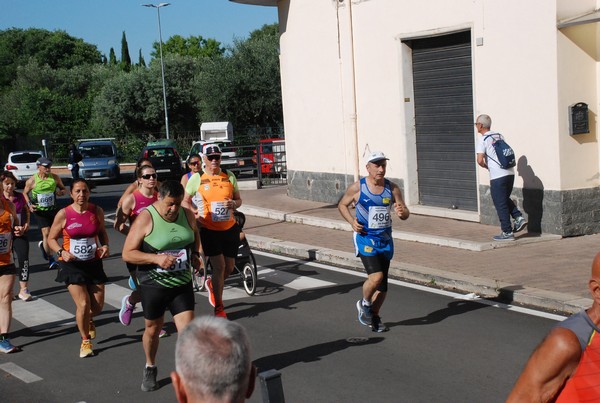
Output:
[[322, 187], [566, 213]]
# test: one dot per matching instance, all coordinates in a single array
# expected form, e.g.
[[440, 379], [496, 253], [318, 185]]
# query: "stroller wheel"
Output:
[[249, 279]]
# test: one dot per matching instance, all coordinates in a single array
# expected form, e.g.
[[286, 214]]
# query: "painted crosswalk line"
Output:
[[19, 373], [290, 280], [41, 313]]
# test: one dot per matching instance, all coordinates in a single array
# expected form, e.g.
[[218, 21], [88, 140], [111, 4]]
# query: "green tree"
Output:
[[125, 58], [53, 103], [56, 49], [133, 102], [194, 46], [244, 87], [141, 61], [112, 57]]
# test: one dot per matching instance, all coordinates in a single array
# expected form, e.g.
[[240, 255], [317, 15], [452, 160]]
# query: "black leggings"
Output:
[[376, 264], [21, 254]]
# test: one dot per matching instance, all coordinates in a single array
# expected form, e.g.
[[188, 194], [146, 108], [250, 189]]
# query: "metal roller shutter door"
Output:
[[443, 96]]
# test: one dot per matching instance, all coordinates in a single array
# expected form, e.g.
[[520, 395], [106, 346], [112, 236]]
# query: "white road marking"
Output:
[[290, 280], [450, 294], [39, 312], [230, 292], [113, 294], [20, 373]]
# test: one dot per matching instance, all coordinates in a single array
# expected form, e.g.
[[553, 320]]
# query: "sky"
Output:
[[102, 22]]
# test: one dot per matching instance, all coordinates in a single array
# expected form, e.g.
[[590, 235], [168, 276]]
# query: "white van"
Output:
[[221, 134]]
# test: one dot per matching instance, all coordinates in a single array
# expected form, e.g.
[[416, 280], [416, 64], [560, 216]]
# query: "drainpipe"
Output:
[[353, 113]]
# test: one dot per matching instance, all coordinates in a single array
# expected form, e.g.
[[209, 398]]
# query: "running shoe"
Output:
[[86, 349], [126, 311], [149, 381], [24, 295], [53, 264], [364, 313], [163, 333], [377, 325], [132, 283], [504, 236], [520, 223], [92, 330], [211, 294], [6, 347], [41, 246], [220, 311]]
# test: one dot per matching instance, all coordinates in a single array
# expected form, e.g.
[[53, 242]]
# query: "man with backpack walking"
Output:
[[497, 157]]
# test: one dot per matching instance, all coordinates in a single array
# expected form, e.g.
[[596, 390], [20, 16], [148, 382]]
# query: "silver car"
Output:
[[22, 164]]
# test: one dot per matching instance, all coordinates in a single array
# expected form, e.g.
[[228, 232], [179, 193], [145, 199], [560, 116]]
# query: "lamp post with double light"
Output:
[[162, 64]]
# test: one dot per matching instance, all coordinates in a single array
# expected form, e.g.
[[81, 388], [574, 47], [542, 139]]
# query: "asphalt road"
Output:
[[302, 322]]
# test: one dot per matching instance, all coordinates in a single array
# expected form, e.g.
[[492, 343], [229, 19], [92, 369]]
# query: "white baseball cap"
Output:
[[376, 156]]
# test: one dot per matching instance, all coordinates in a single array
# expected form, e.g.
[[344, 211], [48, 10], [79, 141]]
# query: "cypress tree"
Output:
[[125, 58], [141, 61], [112, 57]]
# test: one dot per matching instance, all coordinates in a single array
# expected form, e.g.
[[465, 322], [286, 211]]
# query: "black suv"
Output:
[[165, 160]]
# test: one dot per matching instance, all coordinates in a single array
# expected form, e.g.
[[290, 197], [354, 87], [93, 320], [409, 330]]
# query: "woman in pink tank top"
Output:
[[85, 244]]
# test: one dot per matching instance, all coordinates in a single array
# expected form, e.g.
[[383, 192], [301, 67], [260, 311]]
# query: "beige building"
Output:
[[409, 78]]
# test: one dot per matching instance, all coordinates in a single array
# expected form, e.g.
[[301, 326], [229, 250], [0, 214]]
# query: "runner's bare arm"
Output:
[[128, 190], [29, 184], [102, 234], [351, 196], [56, 231], [548, 368], [399, 205], [122, 214], [62, 190]]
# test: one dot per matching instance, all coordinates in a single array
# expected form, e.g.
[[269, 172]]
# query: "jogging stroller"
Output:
[[245, 264]]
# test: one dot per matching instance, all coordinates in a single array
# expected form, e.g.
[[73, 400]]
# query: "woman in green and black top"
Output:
[[44, 187], [164, 242]]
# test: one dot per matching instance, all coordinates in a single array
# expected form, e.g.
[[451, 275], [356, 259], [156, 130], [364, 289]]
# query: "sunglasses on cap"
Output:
[[149, 176], [213, 157]]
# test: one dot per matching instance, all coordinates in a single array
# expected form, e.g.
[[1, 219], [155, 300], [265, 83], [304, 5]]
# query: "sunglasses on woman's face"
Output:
[[213, 157], [193, 163], [148, 176]]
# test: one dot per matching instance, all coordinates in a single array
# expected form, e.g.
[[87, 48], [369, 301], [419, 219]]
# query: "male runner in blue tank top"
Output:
[[374, 197]]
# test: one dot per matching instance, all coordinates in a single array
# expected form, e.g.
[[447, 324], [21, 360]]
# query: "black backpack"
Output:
[[504, 152]]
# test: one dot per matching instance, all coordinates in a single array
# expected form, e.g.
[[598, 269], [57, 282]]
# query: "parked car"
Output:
[[165, 160], [272, 156], [99, 161], [22, 164]]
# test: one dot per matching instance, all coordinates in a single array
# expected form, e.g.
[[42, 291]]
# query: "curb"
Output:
[[487, 288], [400, 235]]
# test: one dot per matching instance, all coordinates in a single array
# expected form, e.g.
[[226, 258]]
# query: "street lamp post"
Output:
[[162, 64]]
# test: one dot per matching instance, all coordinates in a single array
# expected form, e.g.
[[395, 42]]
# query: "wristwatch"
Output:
[[59, 252]]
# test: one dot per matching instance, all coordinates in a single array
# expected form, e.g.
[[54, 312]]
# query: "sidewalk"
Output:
[[541, 271]]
